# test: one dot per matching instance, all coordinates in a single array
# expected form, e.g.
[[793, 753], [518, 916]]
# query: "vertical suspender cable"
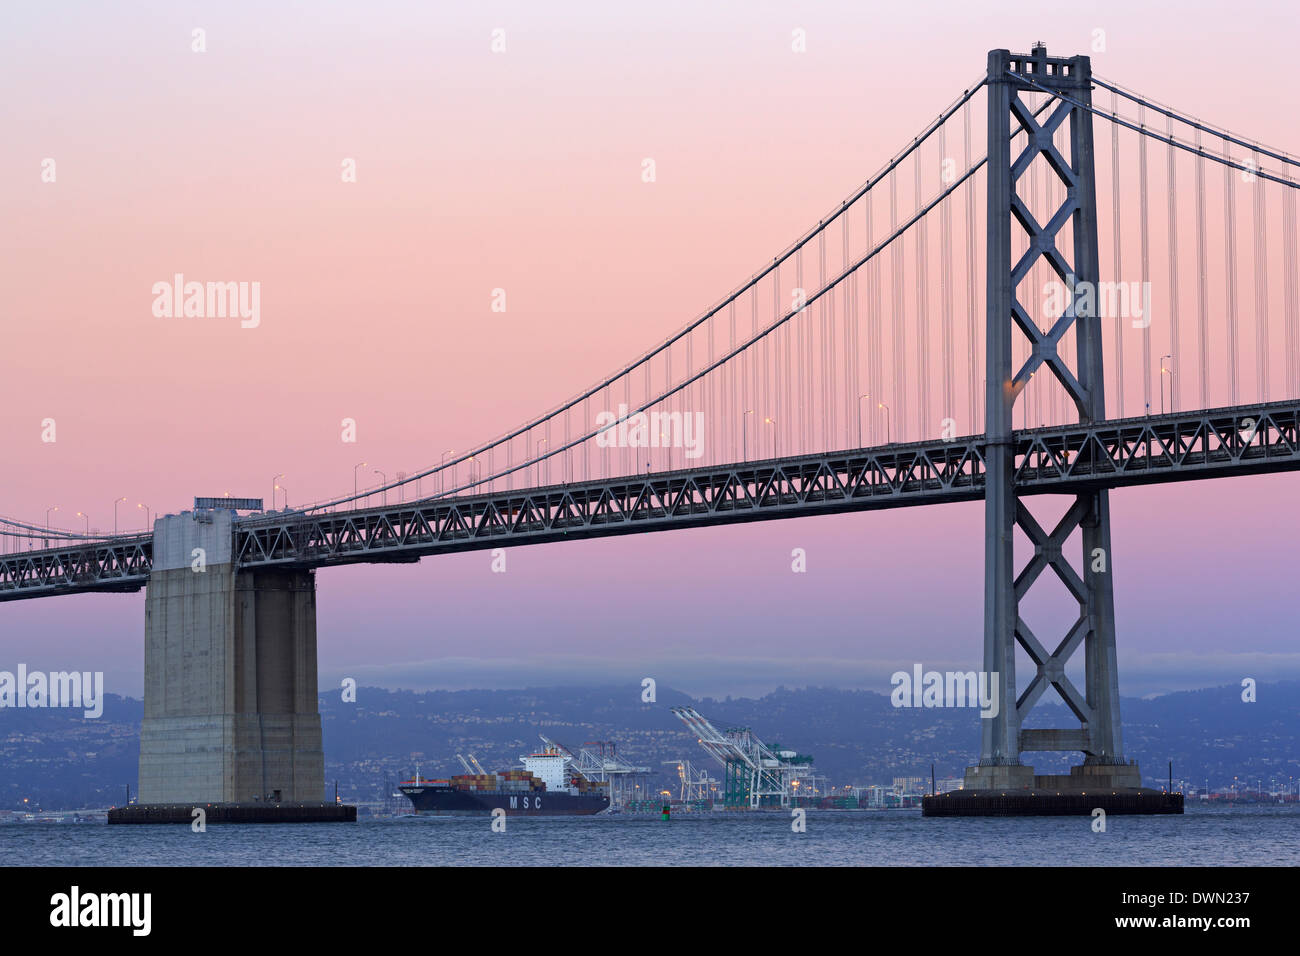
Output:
[[798, 358], [1230, 255], [850, 340], [810, 379], [665, 406], [922, 313], [1260, 254], [1202, 279], [821, 373], [753, 354], [1139, 302], [898, 380], [1292, 290], [778, 379], [1175, 374], [873, 332], [976, 356], [1060, 400], [787, 379], [1047, 276], [712, 402], [829, 412], [787, 388], [687, 399], [1047, 390], [856, 352], [738, 410], [1033, 395], [945, 289], [1117, 230]]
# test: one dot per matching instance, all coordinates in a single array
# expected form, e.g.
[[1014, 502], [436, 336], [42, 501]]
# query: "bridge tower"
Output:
[[230, 711], [1073, 257]]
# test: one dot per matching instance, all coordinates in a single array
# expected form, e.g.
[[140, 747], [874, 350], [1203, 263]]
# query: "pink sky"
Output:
[[521, 170]]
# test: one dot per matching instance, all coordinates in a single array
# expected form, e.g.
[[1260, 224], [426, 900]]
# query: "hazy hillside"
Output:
[[55, 758]]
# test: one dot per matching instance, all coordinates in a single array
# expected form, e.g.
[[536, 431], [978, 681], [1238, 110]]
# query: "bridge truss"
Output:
[[1058, 460]]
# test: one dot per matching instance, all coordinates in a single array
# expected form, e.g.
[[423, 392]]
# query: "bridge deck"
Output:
[[1243, 440]]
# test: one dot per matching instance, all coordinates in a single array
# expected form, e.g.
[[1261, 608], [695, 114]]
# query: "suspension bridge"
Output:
[[857, 370]]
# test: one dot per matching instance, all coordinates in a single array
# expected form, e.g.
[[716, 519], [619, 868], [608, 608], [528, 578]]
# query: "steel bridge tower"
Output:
[[1097, 707]]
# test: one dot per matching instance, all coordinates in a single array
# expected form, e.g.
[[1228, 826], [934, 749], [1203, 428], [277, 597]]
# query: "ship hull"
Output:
[[446, 801]]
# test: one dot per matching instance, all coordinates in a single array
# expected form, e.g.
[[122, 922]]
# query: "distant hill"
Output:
[[57, 759]]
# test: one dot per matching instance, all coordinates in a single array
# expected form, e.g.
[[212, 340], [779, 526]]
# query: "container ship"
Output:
[[546, 786]]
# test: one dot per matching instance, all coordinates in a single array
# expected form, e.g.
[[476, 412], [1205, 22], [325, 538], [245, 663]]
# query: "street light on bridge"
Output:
[[82, 514], [360, 464], [383, 480], [274, 486], [148, 516], [1025, 401], [772, 421], [1163, 372], [442, 463], [115, 504], [888, 440]]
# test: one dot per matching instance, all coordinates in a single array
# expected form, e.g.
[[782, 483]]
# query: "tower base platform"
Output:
[[235, 813], [1040, 803], [1014, 790]]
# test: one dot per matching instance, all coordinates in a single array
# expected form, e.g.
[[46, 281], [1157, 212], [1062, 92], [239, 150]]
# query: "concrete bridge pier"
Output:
[[230, 710]]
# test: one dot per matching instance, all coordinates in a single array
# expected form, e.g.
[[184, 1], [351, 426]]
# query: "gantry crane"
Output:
[[696, 785], [604, 766], [753, 774]]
